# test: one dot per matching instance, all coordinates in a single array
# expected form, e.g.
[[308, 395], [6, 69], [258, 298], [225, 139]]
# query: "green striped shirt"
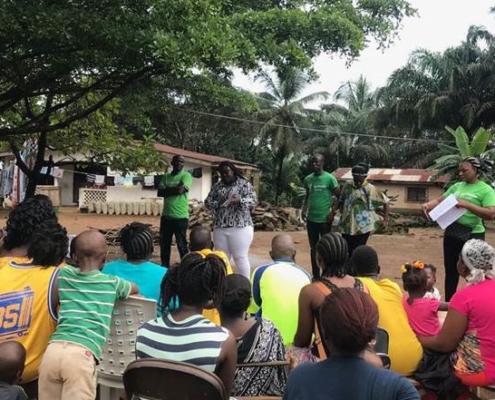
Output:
[[86, 305]]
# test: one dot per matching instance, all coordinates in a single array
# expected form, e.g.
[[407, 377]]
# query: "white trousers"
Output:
[[235, 243]]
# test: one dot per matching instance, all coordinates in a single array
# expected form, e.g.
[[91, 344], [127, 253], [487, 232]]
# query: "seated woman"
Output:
[[184, 334], [257, 341], [469, 328], [349, 322], [331, 256], [136, 241]]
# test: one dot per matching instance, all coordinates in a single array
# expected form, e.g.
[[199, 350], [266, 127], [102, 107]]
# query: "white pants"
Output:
[[235, 243]]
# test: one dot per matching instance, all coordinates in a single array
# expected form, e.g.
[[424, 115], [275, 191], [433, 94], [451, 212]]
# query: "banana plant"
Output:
[[450, 156]]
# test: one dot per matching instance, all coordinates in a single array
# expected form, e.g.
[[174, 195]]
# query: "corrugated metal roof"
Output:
[[394, 175], [213, 160]]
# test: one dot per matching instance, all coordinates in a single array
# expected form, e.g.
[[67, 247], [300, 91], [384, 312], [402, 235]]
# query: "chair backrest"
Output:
[[120, 348], [157, 379], [382, 341]]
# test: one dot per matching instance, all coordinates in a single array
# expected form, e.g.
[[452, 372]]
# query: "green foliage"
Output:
[[449, 158]]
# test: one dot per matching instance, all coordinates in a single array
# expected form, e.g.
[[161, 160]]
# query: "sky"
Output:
[[440, 24]]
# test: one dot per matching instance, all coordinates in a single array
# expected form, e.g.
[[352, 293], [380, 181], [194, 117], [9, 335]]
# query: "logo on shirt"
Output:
[[16, 313]]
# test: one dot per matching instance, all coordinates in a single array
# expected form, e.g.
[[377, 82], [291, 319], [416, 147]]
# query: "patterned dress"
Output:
[[262, 343], [359, 205]]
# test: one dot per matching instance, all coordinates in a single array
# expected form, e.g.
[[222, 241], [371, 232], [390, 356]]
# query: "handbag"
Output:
[[458, 232]]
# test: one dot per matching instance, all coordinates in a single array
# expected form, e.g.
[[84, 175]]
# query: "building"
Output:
[[409, 188]]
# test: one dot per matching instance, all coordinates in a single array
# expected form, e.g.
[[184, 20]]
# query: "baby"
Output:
[[12, 359]]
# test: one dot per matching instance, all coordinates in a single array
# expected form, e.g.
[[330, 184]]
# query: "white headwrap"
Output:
[[479, 257]]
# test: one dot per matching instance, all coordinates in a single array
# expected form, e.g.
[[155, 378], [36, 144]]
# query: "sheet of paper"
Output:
[[446, 212]]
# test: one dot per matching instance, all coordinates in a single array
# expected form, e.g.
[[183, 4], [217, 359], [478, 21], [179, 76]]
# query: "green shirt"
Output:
[[86, 305], [480, 194], [319, 189], [176, 206]]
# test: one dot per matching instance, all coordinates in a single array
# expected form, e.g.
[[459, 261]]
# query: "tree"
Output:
[[448, 161], [283, 110], [57, 53]]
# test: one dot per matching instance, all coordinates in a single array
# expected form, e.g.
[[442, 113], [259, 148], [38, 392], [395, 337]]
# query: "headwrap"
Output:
[[361, 169], [479, 257], [481, 163]]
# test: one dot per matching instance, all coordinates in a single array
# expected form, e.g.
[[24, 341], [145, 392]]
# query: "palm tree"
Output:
[[283, 111]]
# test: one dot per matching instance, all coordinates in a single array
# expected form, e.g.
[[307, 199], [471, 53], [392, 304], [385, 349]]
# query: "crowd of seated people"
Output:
[[56, 315]]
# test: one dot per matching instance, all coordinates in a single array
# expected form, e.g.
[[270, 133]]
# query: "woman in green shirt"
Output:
[[478, 198]]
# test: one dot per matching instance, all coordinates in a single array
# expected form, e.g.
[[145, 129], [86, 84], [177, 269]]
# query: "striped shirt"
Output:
[[86, 305], [194, 340]]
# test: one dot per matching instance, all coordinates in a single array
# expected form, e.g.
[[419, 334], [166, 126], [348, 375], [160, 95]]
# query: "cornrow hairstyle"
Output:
[[195, 281], [136, 241], [414, 279], [49, 244], [481, 163], [230, 164], [236, 295], [24, 219], [348, 320], [333, 253], [361, 169]]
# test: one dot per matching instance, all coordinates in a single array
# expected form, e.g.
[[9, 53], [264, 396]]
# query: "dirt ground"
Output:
[[394, 250]]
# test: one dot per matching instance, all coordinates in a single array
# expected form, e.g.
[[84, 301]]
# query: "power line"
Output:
[[337, 132]]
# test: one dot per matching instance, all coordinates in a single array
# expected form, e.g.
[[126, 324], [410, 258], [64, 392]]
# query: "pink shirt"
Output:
[[423, 316], [476, 351]]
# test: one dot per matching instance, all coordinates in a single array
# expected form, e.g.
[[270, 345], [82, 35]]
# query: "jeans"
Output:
[[315, 231], [451, 250], [354, 241], [235, 242], [168, 228]]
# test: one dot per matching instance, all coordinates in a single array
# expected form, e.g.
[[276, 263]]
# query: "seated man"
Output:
[[200, 242], [136, 241], [276, 288], [12, 359], [404, 350]]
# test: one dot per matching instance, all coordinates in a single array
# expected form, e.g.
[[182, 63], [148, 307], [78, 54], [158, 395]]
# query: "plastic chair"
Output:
[[157, 379], [120, 348]]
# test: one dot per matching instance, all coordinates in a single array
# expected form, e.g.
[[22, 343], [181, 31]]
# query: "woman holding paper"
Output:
[[230, 201], [478, 198]]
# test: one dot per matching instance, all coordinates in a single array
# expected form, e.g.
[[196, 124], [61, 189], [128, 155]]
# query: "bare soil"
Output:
[[423, 244]]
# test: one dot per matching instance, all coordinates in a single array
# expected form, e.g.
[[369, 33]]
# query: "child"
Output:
[[421, 311], [431, 273], [200, 242], [87, 297], [12, 359]]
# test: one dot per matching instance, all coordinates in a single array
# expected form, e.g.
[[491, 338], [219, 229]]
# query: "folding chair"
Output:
[[156, 379]]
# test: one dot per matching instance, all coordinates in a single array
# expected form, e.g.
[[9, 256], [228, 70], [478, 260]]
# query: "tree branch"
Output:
[[18, 159]]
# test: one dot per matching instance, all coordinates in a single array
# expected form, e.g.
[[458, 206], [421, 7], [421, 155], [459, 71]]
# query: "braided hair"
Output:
[[332, 252], [49, 244], [195, 281], [480, 163], [235, 170], [24, 220], [136, 241]]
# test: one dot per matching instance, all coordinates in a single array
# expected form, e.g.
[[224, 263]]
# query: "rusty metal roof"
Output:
[[394, 175]]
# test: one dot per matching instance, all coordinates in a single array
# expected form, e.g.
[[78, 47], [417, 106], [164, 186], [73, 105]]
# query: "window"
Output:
[[416, 194]]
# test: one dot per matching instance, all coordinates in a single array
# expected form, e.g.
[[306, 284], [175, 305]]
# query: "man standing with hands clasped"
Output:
[[174, 188], [317, 209]]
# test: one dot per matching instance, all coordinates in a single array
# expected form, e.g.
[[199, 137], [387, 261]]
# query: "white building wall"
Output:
[[67, 186]]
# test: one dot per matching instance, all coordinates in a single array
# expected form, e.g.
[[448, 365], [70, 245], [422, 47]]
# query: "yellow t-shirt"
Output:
[[26, 315], [212, 314], [404, 350]]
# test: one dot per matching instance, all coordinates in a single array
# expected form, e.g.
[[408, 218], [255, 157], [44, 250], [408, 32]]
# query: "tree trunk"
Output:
[[278, 188]]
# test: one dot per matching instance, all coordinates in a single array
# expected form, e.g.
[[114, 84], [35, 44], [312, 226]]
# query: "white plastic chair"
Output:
[[120, 348]]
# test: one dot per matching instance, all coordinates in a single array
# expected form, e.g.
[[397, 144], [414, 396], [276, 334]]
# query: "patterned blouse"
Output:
[[227, 215], [359, 207]]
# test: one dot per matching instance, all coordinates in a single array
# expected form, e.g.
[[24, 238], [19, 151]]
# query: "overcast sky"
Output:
[[440, 24]]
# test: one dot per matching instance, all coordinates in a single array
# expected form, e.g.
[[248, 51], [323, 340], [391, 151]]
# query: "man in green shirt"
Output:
[[317, 209], [174, 188]]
